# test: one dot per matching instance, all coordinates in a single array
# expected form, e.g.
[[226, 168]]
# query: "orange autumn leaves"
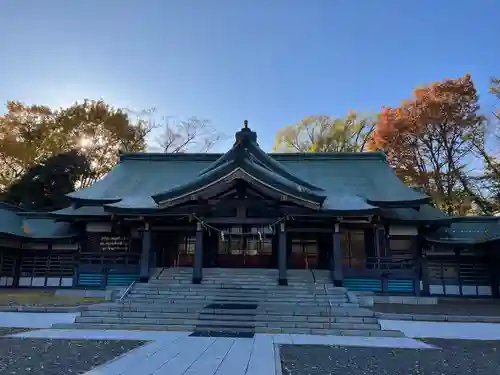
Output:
[[450, 102], [436, 122], [430, 137]]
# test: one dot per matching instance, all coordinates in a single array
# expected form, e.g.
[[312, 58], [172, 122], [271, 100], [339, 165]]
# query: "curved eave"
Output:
[[29, 237], [420, 221], [137, 211], [195, 185], [78, 213], [462, 241], [226, 158], [343, 203], [400, 204], [352, 212], [277, 168], [81, 216], [134, 211], [92, 202], [282, 184], [12, 208], [227, 172]]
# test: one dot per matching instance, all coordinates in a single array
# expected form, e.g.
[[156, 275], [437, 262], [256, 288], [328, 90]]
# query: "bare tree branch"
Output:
[[192, 134]]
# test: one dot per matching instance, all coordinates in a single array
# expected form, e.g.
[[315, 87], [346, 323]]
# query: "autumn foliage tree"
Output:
[[326, 134], [30, 134], [430, 138], [489, 150], [44, 186]]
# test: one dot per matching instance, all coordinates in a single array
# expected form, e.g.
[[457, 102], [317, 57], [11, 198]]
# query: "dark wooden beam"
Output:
[[309, 230], [252, 202], [181, 228], [240, 221]]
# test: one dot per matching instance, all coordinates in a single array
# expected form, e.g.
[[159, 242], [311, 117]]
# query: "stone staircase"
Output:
[[236, 302]]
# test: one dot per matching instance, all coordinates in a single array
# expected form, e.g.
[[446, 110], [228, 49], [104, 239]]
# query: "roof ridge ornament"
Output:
[[245, 135]]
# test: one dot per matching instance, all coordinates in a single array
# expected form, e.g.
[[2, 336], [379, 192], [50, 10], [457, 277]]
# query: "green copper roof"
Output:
[[19, 223], [335, 181], [245, 160], [424, 214], [84, 211], [468, 231]]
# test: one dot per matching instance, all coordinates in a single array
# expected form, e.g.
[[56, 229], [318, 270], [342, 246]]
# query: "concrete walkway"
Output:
[[175, 353], [35, 320], [444, 330]]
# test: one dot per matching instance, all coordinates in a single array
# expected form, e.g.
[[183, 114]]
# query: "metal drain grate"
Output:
[[236, 335]]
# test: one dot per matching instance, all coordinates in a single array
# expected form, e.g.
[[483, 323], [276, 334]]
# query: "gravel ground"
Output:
[[57, 357], [472, 308], [456, 357]]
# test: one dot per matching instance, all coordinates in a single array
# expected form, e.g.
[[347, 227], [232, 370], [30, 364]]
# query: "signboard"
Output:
[[117, 244]]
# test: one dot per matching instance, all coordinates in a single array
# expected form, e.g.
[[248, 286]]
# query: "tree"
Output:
[[495, 90], [429, 139], [31, 134], [192, 134], [44, 186], [326, 134], [488, 149], [102, 132]]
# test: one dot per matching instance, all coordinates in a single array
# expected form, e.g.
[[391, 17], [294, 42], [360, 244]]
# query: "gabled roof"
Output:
[[343, 182], [246, 161], [15, 222], [468, 230]]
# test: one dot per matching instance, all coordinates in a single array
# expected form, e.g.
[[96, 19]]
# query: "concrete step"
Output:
[[247, 277], [235, 297], [150, 288], [234, 283], [229, 323], [262, 289], [202, 297], [242, 300], [268, 310], [364, 333], [234, 315], [218, 291], [262, 304], [225, 288]]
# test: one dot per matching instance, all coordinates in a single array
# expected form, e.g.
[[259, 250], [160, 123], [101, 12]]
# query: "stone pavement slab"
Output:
[[445, 330], [210, 362], [35, 320]]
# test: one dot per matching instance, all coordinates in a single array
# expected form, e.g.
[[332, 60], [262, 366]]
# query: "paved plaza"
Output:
[[116, 352], [176, 353]]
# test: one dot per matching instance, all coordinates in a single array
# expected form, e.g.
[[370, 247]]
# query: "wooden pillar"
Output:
[[336, 265], [198, 255], [424, 274], [282, 256], [146, 254], [494, 271]]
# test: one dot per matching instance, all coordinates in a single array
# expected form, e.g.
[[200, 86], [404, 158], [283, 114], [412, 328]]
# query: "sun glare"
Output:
[[85, 142]]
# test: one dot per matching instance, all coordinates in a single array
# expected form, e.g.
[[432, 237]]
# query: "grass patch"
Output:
[[43, 298], [5, 331]]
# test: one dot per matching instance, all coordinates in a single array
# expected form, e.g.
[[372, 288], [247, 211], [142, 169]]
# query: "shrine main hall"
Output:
[[344, 212]]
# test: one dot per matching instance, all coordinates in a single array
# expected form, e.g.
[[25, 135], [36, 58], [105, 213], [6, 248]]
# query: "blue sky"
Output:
[[271, 62]]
